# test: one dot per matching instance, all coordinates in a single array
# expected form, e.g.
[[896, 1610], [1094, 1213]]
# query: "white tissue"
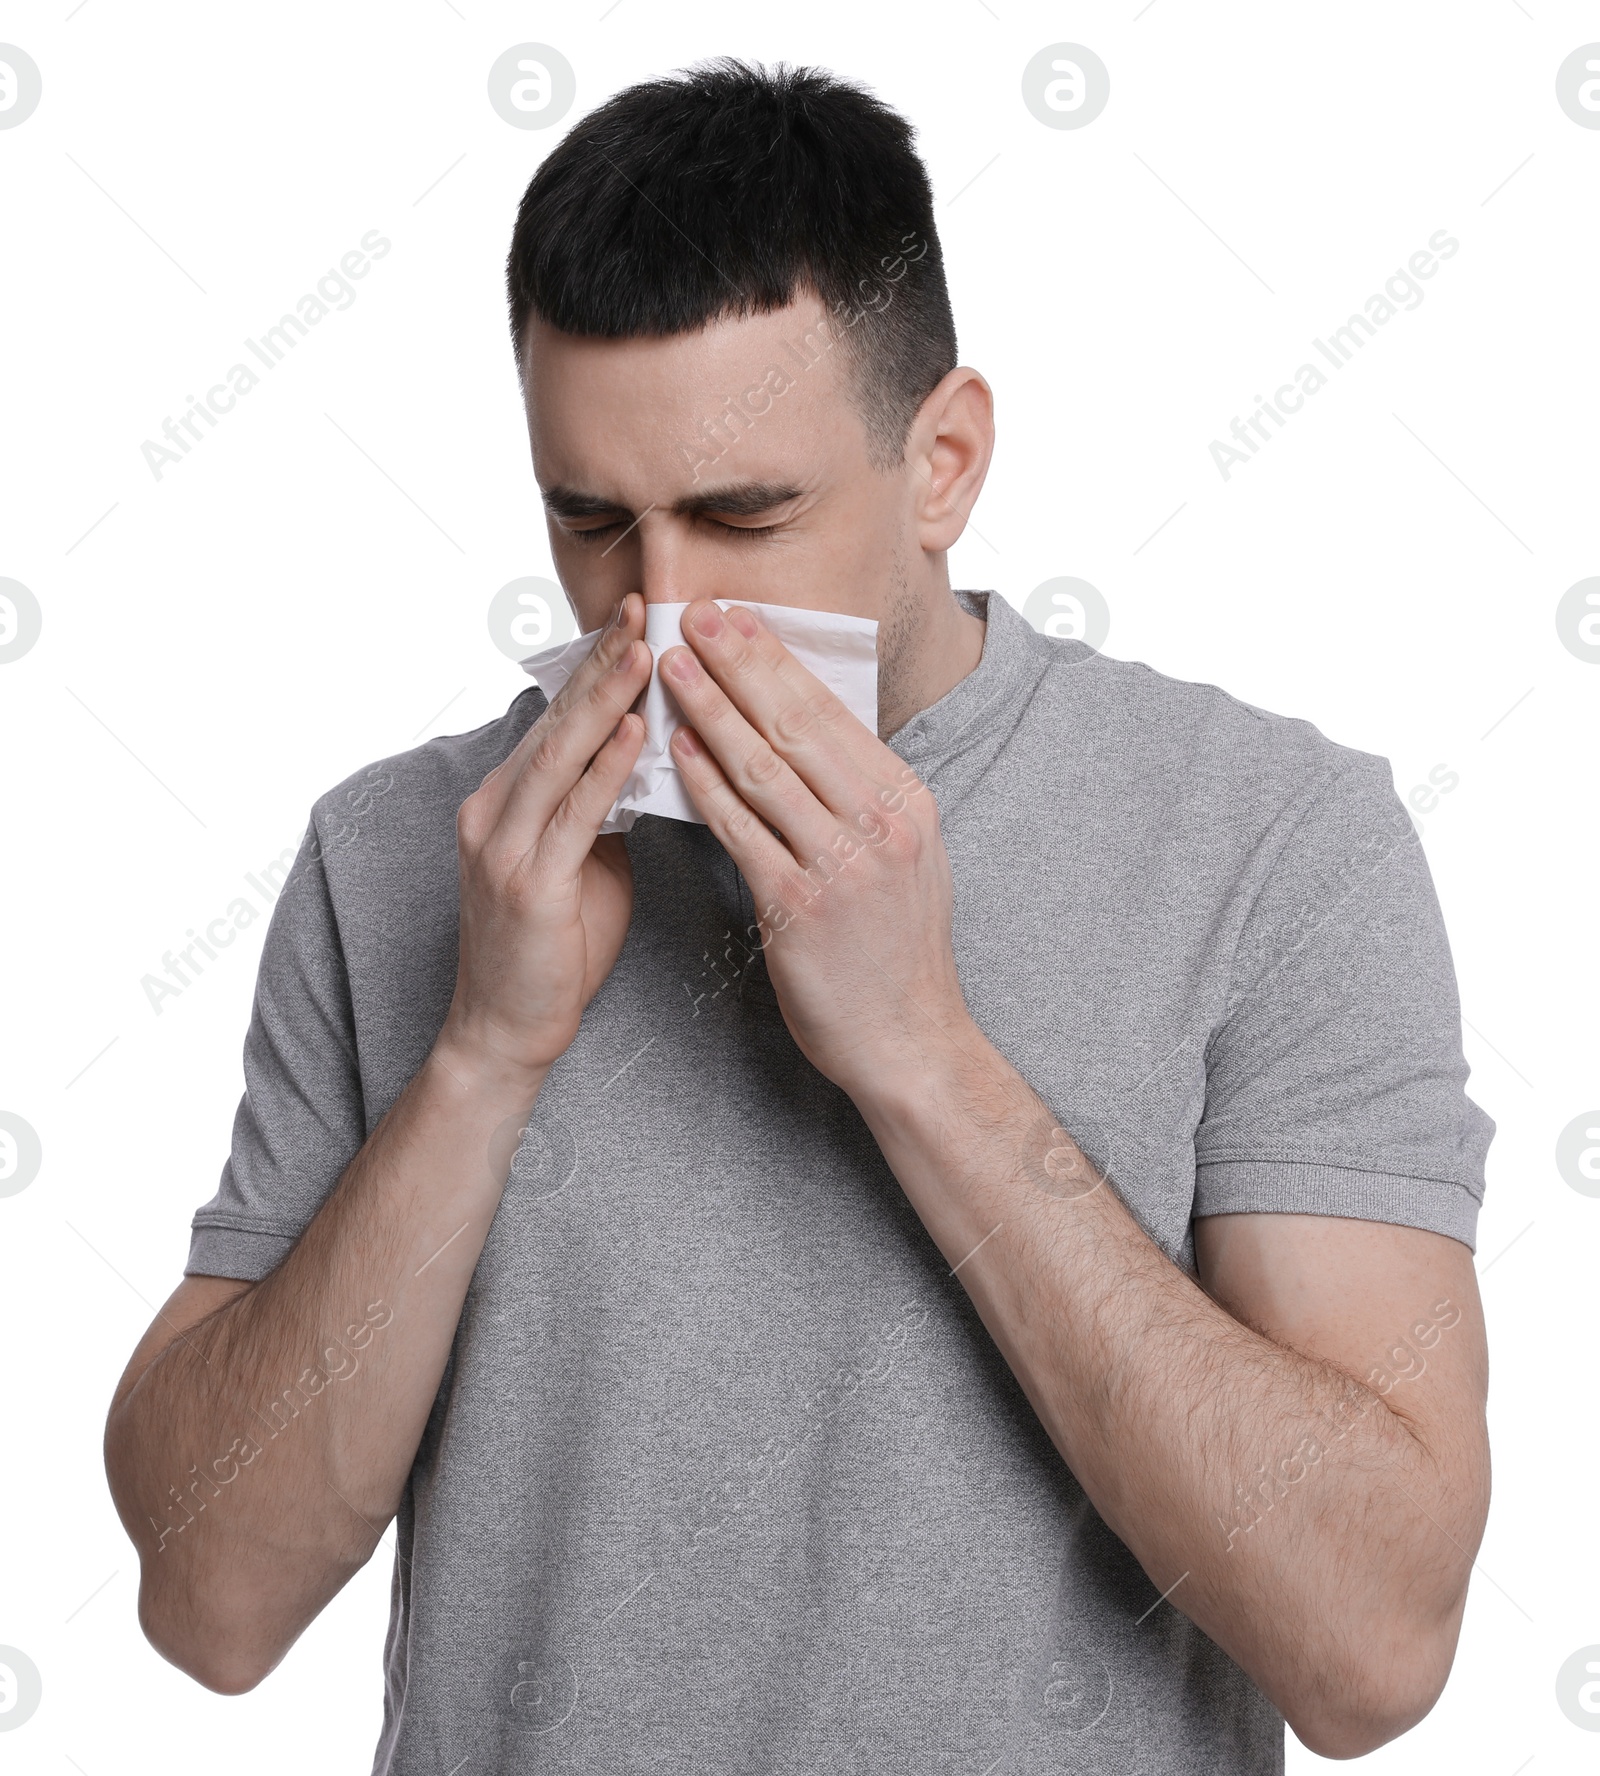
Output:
[[841, 651]]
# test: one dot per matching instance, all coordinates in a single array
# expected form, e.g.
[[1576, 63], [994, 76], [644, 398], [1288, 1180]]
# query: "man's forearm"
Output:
[[1344, 1605], [258, 1458]]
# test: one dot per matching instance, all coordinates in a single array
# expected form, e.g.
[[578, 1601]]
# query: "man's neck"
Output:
[[929, 643]]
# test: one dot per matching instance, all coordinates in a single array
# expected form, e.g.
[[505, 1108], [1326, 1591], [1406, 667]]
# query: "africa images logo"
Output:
[[334, 290], [1402, 290]]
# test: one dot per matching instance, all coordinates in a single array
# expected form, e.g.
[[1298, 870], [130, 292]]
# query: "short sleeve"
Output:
[[301, 1119], [1335, 1079]]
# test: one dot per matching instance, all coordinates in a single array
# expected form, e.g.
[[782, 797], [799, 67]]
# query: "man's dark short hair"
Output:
[[727, 190]]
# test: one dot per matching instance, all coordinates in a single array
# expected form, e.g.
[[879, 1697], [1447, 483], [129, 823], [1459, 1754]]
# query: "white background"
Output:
[[307, 590]]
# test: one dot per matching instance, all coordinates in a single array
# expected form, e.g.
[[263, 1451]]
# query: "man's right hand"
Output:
[[545, 901], [231, 1572], [232, 1569]]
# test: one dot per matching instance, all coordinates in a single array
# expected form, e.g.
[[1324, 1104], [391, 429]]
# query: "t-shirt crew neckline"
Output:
[[1008, 668]]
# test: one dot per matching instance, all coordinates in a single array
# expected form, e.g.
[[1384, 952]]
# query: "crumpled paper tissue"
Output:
[[839, 650]]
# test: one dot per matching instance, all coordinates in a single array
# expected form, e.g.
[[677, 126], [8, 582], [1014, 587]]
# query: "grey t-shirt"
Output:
[[725, 1473]]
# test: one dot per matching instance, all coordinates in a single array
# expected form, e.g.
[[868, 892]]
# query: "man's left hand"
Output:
[[839, 841]]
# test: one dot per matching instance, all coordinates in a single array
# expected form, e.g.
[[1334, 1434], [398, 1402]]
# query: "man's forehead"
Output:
[[677, 408]]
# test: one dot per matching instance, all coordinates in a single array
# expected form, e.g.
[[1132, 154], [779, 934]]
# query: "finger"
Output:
[[556, 751], [625, 625], [840, 759], [764, 861], [570, 834], [757, 773]]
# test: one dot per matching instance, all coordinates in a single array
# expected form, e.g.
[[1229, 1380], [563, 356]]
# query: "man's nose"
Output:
[[665, 557]]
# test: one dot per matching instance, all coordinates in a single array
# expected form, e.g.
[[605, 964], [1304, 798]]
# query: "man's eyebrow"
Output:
[[569, 502], [737, 499]]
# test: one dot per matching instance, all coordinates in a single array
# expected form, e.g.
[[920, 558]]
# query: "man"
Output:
[[961, 1262]]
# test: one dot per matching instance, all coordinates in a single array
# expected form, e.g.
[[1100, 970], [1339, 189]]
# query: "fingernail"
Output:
[[685, 741], [616, 615], [708, 621], [625, 659], [742, 621], [681, 664]]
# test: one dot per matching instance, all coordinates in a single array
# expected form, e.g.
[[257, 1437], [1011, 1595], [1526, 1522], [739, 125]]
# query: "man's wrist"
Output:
[[478, 1069], [940, 1076]]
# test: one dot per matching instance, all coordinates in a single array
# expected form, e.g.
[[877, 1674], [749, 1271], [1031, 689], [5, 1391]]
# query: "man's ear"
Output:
[[947, 455]]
